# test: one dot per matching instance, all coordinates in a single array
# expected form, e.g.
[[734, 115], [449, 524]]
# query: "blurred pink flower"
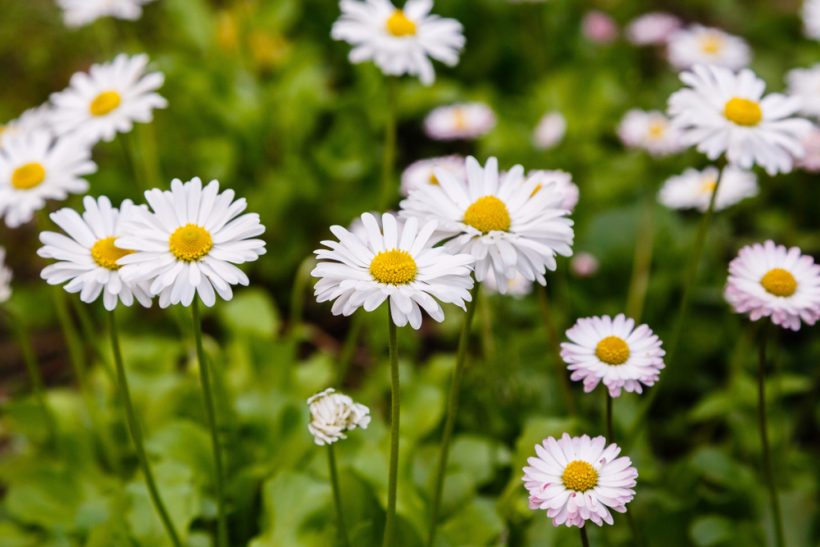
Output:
[[599, 27], [652, 28], [811, 145], [584, 265]]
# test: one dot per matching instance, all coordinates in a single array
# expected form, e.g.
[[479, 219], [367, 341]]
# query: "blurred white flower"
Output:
[[87, 258], [77, 13], [108, 99], [652, 28], [556, 181], [189, 243], [599, 27], [333, 414], [811, 159], [699, 45], [650, 131], [725, 112], [811, 18], [35, 167], [422, 172], [459, 121], [5, 278], [584, 265], [399, 41], [516, 286], [693, 189], [768, 280], [33, 119], [550, 131], [804, 83]]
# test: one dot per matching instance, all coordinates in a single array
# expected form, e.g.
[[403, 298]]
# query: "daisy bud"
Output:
[[332, 414]]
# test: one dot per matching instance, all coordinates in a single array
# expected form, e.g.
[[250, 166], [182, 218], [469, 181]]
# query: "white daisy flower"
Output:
[[613, 351], [35, 167], [517, 286], [5, 278], [421, 173], [108, 99], [768, 280], [87, 257], [399, 41], [811, 18], [556, 181], [550, 131], [693, 189], [653, 28], [804, 83], [810, 161], [189, 243], [333, 414], [77, 13], [650, 131], [578, 479], [459, 121], [33, 119], [725, 112], [699, 45], [395, 262], [501, 221]]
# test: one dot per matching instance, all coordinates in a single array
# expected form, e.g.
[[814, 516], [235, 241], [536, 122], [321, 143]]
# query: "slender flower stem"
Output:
[[75, 347], [136, 432], [210, 412], [452, 411], [389, 159], [610, 434], [554, 341], [584, 538], [642, 263], [349, 347], [393, 473], [90, 336], [337, 495], [764, 438]]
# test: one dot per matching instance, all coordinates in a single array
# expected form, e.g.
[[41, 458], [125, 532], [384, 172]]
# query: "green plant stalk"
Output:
[[584, 538], [452, 411], [610, 438], [337, 495], [393, 472], [210, 413], [349, 348], [75, 346], [389, 159], [610, 433], [136, 432], [642, 263], [554, 341], [91, 337], [764, 439]]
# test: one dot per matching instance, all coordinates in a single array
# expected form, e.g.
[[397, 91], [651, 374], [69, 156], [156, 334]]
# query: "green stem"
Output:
[[637, 539], [210, 413], [349, 347], [130, 159], [91, 337], [337, 495], [764, 439], [584, 538], [136, 432], [610, 433], [642, 264], [554, 341], [75, 347], [393, 473], [389, 159], [452, 411]]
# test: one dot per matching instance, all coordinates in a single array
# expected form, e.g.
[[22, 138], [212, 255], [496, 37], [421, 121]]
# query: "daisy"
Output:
[[516, 286], [189, 242], [33, 119], [613, 351], [804, 83], [556, 181], [550, 131], [332, 414], [399, 40], [35, 167], [421, 173], [5, 278], [87, 257], [653, 28], [578, 479], [459, 121], [699, 45], [725, 112], [811, 18], [811, 159], [693, 189], [768, 280], [77, 13], [650, 131], [584, 265], [108, 99], [395, 262], [503, 222]]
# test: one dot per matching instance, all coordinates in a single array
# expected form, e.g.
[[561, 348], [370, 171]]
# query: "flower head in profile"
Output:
[[769, 280], [804, 83], [693, 189], [108, 99], [506, 222], [653, 28], [722, 112], [399, 40], [333, 414], [556, 181], [190, 242], [698, 45], [463, 121], [579, 479], [811, 18], [77, 13], [613, 351], [87, 258], [32, 120], [394, 262], [5, 278], [422, 172], [36, 167], [550, 131], [650, 131]]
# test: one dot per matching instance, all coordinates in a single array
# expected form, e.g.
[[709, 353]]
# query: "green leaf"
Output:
[[710, 530], [251, 312]]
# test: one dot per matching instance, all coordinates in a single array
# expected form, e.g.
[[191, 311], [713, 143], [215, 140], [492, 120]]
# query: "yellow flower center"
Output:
[[106, 254], [399, 25], [707, 187], [579, 476], [394, 267], [190, 242], [104, 103], [488, 214], [743, 112], [460, 119], [612, 350], [537, 189], [712, 44], [656, 130], [28, 176], [433, 180], [779, 282]]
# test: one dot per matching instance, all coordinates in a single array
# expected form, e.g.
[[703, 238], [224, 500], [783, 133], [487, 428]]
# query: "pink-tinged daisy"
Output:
[[613, 351], [599, 27], [422, 172], [769, 280], [811, 18], [556, 181], [550, 131], [811, 159], [579, 479], [653, 28], [459, 121]]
